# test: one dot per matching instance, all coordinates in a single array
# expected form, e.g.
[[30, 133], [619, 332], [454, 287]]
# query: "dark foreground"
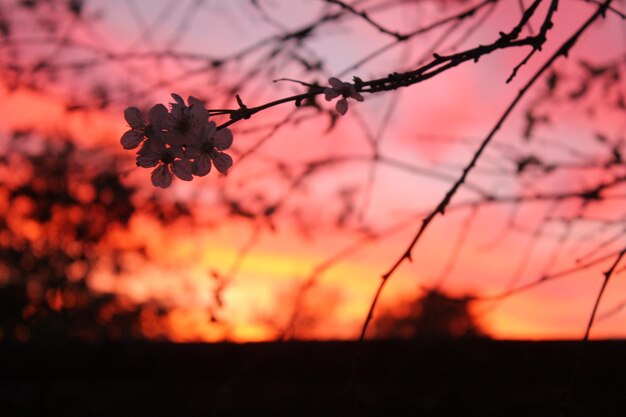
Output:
[[483, 378]]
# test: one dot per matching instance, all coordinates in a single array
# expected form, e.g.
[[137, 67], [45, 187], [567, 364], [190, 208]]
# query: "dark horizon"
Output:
[[479, 377]]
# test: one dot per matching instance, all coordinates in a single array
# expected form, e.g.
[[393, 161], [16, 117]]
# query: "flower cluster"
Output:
[[181, 142], [345, 90]]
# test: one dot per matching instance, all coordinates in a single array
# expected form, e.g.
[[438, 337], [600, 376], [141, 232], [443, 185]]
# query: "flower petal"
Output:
[[175, 153], [193, 101], [157, 114], [131, 139], [335, 83], [172, 118], [134, 118], [175, 139], [178, 99], [161, 176], [208, 131], [330, 93], [223, 139], [182, 169], [342, 106], [222, 161], [198, 115], [357, 96], [192, 152], [154, 145], [201, 166], [148, 161]]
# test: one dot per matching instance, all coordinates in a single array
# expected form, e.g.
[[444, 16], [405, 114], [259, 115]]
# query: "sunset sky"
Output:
[[433, 129]]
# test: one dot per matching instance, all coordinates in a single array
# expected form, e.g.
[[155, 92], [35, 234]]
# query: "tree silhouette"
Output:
[[60, 204], [433, 315]]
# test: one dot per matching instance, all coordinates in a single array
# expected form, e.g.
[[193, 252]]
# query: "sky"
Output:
[[428, 137]]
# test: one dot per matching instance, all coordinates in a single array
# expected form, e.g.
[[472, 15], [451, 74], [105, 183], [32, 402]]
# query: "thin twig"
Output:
[[441, 207]]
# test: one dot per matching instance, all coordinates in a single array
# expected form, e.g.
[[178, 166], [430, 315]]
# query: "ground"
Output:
[[391, 378]]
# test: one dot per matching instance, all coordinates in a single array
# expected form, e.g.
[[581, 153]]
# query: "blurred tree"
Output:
[[58, 205], [432, 315]]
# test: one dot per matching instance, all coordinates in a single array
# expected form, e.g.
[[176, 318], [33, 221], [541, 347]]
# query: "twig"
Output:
[[585, 341], [441, 207]]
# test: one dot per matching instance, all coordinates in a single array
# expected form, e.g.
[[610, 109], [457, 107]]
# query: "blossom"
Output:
[[184, 122], [139, 129], [345, 90], [168, 160], [181, 142], [211, 142]]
